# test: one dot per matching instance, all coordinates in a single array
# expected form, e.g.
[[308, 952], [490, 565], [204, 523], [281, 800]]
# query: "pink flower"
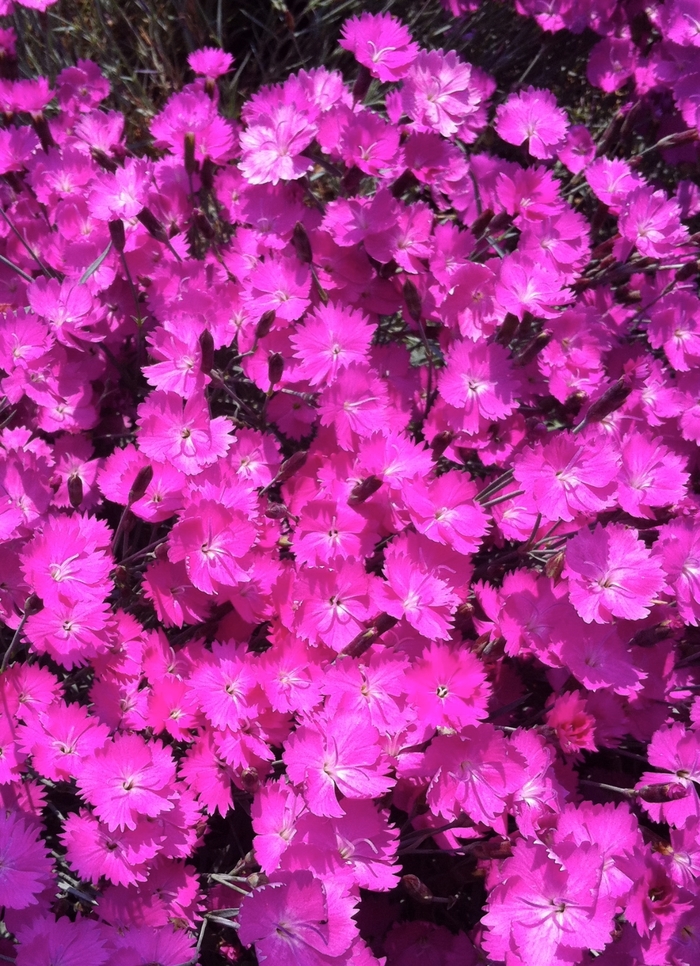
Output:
[[274, 811], [25, 866], [334, 604], [332, 338], [419, 586], [548, 907], [210, 538], [528, 285], [611, 63], [331, 755], [128, 778], [67, 560], [279, 285], [60, 739], [651, 223], [183, 435], [223, 686], [49, 941], [272, 146], [444, 94], [210, 62], [533, 116], [479, 380], [612, 574], [573, 727], [651, 475], [381, 43], [122, 857], [674, 751], [678, 548], [448, 688], [567, 476], [298, 919]]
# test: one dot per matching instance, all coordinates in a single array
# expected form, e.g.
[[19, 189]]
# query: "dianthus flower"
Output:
[[678, 548], [60, 738], [566, 476], [533, 116], [25, 866], [179, 432], [210, 62], [443, 93], [525, 285], [331, 755], [210, 538], [381, 43], [612, 574], [61, 942], [573, 727], [122, 857], [548, 907], [674, 751], [272, 147], [188, 115], [331, 339], [651, 475], [128, 778], [67, 560], [651, 223], [448, 687], [297, 918], [478, 380]]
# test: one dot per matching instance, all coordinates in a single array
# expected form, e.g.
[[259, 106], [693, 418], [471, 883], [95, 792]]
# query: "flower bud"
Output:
[[413, 300], [302, 245], [116, 233], [363, 491], [75, 490], [275, 368], [206, 345], [140, 484], [265, 324]]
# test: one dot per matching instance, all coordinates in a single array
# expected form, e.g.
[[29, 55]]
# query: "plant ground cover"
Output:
[[349, 514]]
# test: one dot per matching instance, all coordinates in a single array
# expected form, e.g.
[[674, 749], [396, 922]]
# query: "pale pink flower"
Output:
[[533, 116], [381, 43]]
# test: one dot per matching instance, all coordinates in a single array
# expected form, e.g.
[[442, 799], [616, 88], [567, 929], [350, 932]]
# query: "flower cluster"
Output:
[[349, 519]]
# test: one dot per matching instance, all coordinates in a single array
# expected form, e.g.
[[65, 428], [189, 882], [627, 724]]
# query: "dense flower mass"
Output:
[[349, 510]]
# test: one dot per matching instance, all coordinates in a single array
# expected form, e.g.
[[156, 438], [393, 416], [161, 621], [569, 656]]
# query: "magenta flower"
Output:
[[674, 751], [210, 62], [332, 338], [272, 147], [479, 380], [443, 93], [122, 857], [533, 116], [678, 548], [567, 476], [126, 779], [381, 43], [548, 906], [297, 918], [210, 538], [448, 688], [183, 435], [25, 866], [612, 574], [331, 755]]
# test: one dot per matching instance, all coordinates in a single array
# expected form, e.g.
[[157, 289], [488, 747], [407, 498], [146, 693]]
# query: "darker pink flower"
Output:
[[332, 338], [448, 687], [480, 382]]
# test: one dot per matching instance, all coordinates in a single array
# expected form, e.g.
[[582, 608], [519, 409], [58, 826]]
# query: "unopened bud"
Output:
[[75, 490], [291, 466], [658, 794], [507, 329], [413, 300], [116, 233], [206, 175], [533, 349], [32, 605], [152, 225], [104, 160], [275, 367], [191, 165], [363, 491], [203, 225], [688, 270], [361, 85], [416, 889], [441, 442], [609, 402], [265, 324], [302, 245], [555, 566], [482, 222], [206, 345], [140, 484]]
